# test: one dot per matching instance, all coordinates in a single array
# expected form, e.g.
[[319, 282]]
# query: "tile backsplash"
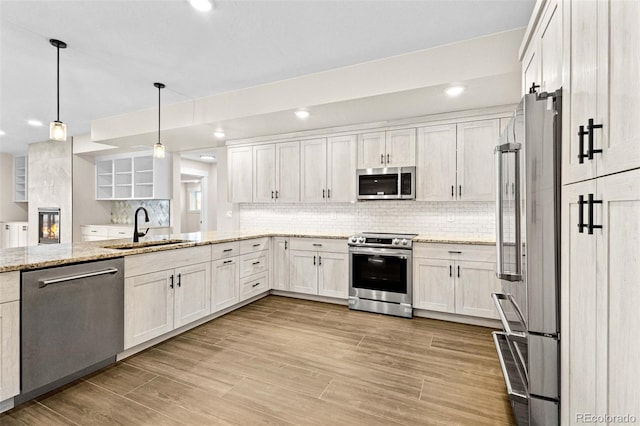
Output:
[[471, 219], [122, 211]]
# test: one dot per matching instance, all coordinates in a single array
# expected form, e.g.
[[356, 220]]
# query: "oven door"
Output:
[[380, 274]]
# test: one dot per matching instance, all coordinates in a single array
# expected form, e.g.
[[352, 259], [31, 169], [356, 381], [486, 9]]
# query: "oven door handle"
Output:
[[403, 254]]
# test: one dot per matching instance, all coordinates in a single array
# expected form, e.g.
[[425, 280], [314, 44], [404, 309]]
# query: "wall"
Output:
[[9, 211], [86, 209], [50, 185], [438, 219], [228, 213], [189, 222]]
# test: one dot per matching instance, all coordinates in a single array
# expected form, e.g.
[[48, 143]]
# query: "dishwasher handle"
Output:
[[44, 283]]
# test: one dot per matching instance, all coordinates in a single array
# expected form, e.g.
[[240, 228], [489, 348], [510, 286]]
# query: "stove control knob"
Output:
[[361, 240], [396, 241], [404, 242], [353, 240]]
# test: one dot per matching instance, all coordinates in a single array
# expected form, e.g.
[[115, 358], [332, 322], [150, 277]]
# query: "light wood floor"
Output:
[[289, 361]]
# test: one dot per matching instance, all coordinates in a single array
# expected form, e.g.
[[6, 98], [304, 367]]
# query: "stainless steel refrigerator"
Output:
[[528, 258]]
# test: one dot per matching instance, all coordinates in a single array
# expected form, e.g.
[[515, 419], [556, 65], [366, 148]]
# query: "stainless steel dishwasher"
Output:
[[72, 323]]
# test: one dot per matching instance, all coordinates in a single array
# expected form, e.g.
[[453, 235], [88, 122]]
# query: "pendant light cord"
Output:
[[58, 82], [159, 88]]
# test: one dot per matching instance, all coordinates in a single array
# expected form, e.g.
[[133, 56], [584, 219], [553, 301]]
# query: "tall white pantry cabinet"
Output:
[[599, 44]]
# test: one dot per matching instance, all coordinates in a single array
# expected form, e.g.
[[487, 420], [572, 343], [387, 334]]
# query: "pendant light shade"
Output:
[[57, 129], [158, 148]]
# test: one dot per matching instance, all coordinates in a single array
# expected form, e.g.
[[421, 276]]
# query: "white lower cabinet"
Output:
[[13, 234], [9, 335], [458, 279], [280, 263], [324, 273], [225, 283], [157, 301]]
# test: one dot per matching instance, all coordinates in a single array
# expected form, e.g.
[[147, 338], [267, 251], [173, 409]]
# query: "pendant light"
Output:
[[158, 148], [57, 129]]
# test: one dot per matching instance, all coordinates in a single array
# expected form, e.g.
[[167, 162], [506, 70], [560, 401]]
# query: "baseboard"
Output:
[[6, 405], [463, 319], [311, 297], [149, 343]]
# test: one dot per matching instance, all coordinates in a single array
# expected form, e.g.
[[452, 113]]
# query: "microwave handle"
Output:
[[500, 150]]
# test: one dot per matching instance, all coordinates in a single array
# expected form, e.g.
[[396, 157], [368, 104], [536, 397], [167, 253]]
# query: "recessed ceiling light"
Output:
[[302, 114], [201, 5], [208, 157], [218, 134], [2, 133], [454, 90], [34, 123]]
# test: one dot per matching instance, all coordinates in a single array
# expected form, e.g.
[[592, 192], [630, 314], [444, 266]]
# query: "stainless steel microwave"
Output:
[[389, 183]]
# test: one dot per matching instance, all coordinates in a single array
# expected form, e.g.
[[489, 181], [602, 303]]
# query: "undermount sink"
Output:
[[142, 244]]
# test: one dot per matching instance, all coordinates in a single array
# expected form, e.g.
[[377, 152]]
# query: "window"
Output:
[[195, 201]]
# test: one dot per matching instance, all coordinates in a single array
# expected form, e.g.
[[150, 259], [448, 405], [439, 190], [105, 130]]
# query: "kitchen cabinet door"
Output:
[[475, 281], [23, 234], [619, 108], [550, 49], [433, 285], [148, 307], [341, 169], [240, 174], [192, 293], [20, 178], [303, 272], [9, 349], [583, 85], [371, 150], [225, 284], [288, 172], [280, 263], [400, 148], [436, 163], [530, 69], [579, 321], [475, 161], [333, 275], [264, 173], [617, 292], [104, 179], [313, 170]]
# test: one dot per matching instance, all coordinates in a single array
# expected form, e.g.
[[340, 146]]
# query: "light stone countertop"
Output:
[[44, 256]]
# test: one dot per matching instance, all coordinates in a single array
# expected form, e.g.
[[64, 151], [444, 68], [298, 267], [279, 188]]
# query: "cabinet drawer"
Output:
[[254, 285], [9, 286], [320, 244], [253, 263], [97, 231], [255, 245], [122, 232], [477, 253], [224, 250], [157, 261]]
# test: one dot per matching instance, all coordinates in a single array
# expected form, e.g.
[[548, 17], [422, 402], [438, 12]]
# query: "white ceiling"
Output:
[[117, 49]]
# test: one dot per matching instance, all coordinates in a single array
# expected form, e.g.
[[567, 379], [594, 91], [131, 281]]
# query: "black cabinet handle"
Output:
[[455, 252], [591, 226], [460, 191], [314, 260], [458, 271], [256, 245], [450, 270], [285, 244], [227, 261], [180, 280], [581, 224], [272, 195], [171, 284], [227, 250], [388, 159], [581, 155], [323, 191], [256, 263], [592, 151], [277, 194], [453, 194], [320, 260], [534, 87], [255, 285], [328, 193], [381, 158]]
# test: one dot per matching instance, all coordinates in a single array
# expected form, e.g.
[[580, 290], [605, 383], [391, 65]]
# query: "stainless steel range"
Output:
[[380, 271]]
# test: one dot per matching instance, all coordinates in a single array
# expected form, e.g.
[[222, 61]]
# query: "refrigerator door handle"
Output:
[[500, 267]]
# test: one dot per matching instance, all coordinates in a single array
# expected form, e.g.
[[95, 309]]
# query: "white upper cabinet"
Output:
[[394, 148], [327, 170], [126, 177], [287, 172], [476, 141], [20, 182], [436, 163], [240, 174], [264, 173], [530, 71], [550, 49], [341, 169], [371, 150]]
